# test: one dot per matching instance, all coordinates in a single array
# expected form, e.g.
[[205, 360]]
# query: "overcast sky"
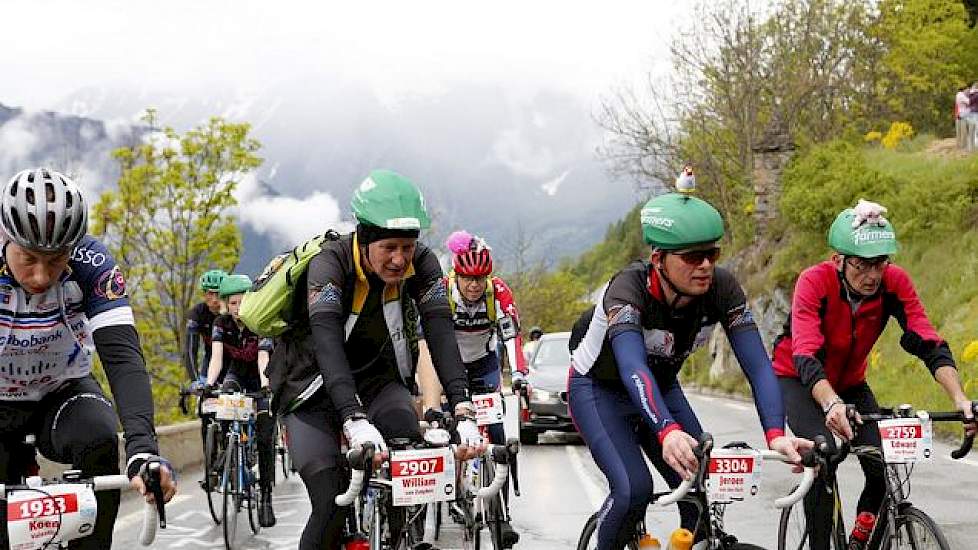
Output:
[[61, 54], [52, 48]]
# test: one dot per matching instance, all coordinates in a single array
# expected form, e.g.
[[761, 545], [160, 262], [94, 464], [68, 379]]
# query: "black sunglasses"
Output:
[[695, 257]]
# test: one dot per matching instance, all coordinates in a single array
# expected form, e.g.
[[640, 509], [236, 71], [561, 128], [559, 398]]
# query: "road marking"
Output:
[[967, 461], [594, 493]]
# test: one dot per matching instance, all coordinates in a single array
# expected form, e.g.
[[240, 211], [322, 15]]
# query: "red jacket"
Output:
[[825, 339]]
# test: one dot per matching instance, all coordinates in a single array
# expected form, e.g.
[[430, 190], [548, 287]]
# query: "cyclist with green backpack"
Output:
[[346, 364], [238, 360]]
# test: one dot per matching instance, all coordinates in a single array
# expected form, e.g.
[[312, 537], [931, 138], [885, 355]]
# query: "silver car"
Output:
[[544, 405]]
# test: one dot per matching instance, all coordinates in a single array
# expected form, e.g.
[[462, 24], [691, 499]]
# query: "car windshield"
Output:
[[552, 353]]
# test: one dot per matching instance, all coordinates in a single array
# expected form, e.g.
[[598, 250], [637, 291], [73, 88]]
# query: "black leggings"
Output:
[[314, 443], [806, 419], [75, 425]]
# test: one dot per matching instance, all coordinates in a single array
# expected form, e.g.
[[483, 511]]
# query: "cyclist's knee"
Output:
[[633, 495]]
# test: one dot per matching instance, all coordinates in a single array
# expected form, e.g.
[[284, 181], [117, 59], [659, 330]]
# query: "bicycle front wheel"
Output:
[[212, 469], [231, 489], [793, 529], [589, 536], [915, 530]]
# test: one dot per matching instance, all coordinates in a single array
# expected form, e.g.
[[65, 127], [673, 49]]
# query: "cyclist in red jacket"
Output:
[[839, 310]]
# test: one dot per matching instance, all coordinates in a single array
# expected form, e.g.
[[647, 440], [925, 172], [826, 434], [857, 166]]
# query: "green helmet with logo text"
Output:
[[673, 222], [210, 281], [235, 284], [869, 240], [389, 200]]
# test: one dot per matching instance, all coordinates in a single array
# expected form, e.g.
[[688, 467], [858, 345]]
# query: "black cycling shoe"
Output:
[[510, 537], [266, 516]]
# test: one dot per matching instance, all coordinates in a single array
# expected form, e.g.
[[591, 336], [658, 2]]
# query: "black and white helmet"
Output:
[[43, 210]]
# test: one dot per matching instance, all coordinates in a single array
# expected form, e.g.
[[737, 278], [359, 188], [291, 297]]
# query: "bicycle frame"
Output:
[[896, 475]]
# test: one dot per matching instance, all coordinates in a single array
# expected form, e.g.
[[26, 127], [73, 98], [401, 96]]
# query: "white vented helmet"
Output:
[[43, 210]]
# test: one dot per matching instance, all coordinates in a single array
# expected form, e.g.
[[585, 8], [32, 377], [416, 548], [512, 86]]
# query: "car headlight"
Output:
[[544, 396]]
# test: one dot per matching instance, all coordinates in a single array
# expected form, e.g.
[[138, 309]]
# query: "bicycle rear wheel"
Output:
[[211, 469], [282, 449], [252, 490], [589, 535], [231, 490], [915, 530]]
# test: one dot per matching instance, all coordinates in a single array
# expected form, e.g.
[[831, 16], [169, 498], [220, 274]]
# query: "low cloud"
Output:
[[287, 220], [551, 187]]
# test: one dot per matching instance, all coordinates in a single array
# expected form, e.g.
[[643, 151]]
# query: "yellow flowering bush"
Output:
[[898, 132], [873, 136], [971, 351]]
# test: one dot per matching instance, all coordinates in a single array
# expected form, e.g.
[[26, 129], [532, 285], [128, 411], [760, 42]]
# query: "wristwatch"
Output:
[[833, 402]]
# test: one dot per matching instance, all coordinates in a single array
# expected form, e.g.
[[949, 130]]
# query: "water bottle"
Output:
[[357, 544], [648, 542], [681, 539], [861, 531]]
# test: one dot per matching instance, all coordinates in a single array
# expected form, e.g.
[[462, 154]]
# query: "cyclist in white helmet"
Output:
[[62, 298]]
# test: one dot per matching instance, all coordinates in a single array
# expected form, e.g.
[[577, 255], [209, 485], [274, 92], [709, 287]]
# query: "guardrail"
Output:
[[966, 131], [179, 443]]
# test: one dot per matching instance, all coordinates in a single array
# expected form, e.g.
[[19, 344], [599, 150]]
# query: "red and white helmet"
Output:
[[471, 256]]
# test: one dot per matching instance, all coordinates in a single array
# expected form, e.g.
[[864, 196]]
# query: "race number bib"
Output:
[[906, 440], [734, 474], [62, 513], [234, 407], [209, 406], [421, 476], [488, 408]]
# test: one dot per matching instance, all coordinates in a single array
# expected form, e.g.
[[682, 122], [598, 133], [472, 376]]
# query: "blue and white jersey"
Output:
[[46, 339]]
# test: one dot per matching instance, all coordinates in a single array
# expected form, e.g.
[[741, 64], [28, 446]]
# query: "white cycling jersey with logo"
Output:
[[46, 339]]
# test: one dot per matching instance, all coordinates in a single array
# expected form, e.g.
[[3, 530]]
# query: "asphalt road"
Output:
[[562, 487]]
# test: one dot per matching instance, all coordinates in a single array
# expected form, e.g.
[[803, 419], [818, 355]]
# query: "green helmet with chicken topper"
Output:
[[674, 222], [869, 240]]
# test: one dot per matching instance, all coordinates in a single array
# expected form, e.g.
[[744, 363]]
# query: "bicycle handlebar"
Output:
[[703, 454], [807, 478], [151, 515], [361, 463], [906, 411]]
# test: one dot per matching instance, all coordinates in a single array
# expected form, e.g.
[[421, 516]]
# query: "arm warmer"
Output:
[[118, 348]]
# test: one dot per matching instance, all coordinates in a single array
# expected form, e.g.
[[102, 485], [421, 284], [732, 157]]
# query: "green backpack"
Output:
[[266, 308]]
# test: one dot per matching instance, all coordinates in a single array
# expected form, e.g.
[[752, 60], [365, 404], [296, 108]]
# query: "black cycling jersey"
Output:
[[632, 300], [200, 325], [241, 347], [362, 333]]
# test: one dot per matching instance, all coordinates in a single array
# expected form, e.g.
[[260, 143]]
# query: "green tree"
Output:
[[929, 52], [168, 221]]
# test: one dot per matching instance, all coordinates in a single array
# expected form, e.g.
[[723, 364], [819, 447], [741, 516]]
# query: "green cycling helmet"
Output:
[[673, 222], [211, 280], [235, 284], [869, 240], [389, 200]]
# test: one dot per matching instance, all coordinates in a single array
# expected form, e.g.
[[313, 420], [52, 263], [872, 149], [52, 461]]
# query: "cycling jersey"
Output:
[[476, 330], [362, 333], [241, 347], [200, 325], [829, 337], [633, 339], [46, 339]]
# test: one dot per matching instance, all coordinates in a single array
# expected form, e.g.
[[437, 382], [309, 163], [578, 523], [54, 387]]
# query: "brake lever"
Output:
[[969, 440], [514, 448], [152, 478]]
